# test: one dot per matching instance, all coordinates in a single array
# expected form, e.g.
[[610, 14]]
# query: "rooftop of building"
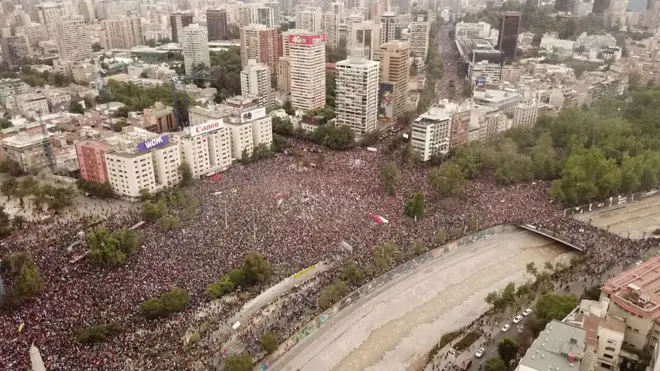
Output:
[[493, 96], [559, 347], [636, 289], [24, 139]]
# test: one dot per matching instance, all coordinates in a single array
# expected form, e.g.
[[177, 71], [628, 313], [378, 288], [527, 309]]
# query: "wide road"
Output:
[[637, 219], [394, 327], [449, 54]]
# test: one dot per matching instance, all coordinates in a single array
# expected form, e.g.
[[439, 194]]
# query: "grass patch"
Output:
[[657, 232], [467, 340]]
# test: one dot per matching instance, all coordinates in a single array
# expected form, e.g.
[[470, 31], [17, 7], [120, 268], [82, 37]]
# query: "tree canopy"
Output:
[[610, 149], [554, 306]]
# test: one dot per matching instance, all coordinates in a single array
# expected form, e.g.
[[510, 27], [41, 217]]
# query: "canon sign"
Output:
[[307, 39], [205, 128]]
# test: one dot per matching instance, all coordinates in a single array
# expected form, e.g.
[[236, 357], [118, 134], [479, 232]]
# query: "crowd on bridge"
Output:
[[295, 218]]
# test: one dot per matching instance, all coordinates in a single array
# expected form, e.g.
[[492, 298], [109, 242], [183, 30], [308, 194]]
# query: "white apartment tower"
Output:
[[73, 42], [350, 20], [356, 104], [249, 130], [307, 70], [206, 147], [419, 36], [49, 15], [129, 172], [309, 19], [123, 33], [194, 41], [365, 35], [255, 80], [389, 27], [431, 133], [526, 112], [330, 25], [257, 14]]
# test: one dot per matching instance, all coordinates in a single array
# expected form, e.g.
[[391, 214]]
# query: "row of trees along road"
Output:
[[588, 154]]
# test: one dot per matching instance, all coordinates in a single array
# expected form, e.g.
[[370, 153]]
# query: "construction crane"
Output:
[[175, 101]]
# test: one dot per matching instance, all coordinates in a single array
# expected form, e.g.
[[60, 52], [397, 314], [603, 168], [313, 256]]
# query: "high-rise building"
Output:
[[615, 15], [260, 43], [179, 20], [49, 15], [216, 24], [395, 73], [356, 103], [122, 33], [277, 11], [419, 35], [284, 75], [249, 129], [352, 19], [14, 48], [307, 71], [205, 147], [365, 35], [73, 42], [91, 161], [256, 14], [507, 40], [526, 112], [338, 8], [309, 19], [390, 28], [330, 25], [431, 133], [194, 41], [600, 6], [255, 80]]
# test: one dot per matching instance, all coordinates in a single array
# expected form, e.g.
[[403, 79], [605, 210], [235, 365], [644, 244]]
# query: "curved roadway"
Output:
[[393, 327]]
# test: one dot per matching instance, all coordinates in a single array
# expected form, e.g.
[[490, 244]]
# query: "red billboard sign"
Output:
[[307, 39]]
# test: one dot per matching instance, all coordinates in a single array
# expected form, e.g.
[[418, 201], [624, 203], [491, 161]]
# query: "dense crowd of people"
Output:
[[295, 218]]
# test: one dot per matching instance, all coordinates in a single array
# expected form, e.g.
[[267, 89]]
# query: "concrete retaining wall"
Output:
[[379, 281]]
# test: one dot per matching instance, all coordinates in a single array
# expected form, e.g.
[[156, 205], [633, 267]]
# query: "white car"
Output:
[[517, 319], [480, 352], [527, 312], [506, 327]]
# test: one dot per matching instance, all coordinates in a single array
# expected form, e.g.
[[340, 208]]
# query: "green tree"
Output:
[[384, 256], [332, 294], [96, 47], [11, 167], [144, 195], [168, 303], [389, 176], [268, 342], [220, 288], [5, 123], [415, 206], [507, 349], [239, 362], [153, 211], [353, 273], [27, 283], [448, 179], [111, 249], [256, 268], [554, 306], [495, 364], [97, 333], [9, 187], [168, 222], [76, 107]]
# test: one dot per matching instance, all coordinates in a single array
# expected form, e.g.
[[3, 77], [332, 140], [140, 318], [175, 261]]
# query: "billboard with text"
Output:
[[307, 39], [153, 143], [255, 114], [206, 127]]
